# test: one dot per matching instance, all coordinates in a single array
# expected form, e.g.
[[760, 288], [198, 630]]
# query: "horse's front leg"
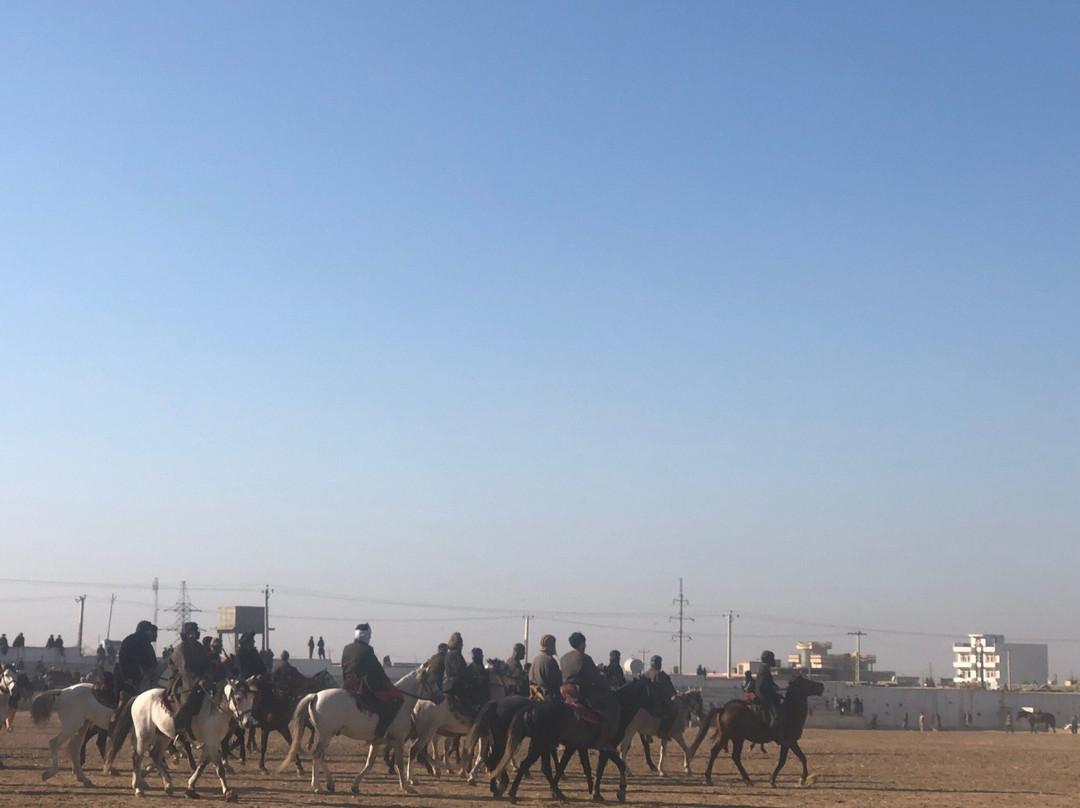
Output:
[[399, 751], [736, 755], [685, 752], [780, 765], [369, 762], [219, 767], [204, 761], [660, 759]]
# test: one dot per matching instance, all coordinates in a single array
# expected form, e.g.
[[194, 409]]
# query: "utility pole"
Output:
[[730, 617], [155, 587], [81, 600], [183, 608], [858, 635], [266, 617], [527, 618], [681, 601], [108, 630]]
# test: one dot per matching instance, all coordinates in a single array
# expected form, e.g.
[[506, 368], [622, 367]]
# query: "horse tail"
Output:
[[41, 708], [703, 730], [514, 736], [481, 726], [302, 719]]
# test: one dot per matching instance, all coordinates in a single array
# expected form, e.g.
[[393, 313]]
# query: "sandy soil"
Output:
[[878, 768]]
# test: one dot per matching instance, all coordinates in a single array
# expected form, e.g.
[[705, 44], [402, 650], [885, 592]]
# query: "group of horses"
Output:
[[492, 738]]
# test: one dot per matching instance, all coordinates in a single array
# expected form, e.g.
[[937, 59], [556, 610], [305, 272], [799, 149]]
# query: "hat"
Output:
[[519, 646], [477, 652], [656, 661], [363, 627], [547, 643], [768, 658], [145, 626], [189, 628], [576, 639], [284, 655], [615, 654], [455, 643], [362, 633], [247, 636], [443, 648]]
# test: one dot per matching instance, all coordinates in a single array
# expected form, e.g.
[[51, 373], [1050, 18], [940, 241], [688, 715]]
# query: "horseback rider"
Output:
[[545, 676], [436, 664], [767, 691], [665, 693], [134, 672], [578, 669], [365, 676], [480, 684], [191, 677], [247, 661], [517, 670], [457, 681], [613, 670]]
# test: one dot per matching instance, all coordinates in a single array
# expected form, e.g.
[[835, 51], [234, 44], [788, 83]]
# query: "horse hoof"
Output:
[[230, 796], [191, 793], [87, 782], [330, 788], [168, 791], [621, 796], [140, 793]]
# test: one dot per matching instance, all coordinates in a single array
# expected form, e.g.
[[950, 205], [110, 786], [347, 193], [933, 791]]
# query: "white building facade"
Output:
[[987, 661]]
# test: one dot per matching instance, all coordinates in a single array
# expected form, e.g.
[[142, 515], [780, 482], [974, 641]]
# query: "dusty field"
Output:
[[884, 768]]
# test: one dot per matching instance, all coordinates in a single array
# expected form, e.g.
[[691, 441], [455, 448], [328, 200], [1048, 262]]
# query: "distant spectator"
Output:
[[3, 644], [904, 721], [20, 641], [322, 648], [1008, 722], [102, 655], [51, 642], [310, 647], [922, 722], [59, 644]]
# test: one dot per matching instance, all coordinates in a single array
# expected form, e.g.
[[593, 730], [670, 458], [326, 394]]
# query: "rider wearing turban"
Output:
[[544, 673], [665, 692], [364, 675], [579, 669], [767, 691]]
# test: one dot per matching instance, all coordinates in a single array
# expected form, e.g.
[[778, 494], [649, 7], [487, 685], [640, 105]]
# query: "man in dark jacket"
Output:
[[364, 675], [766, 690], [520, 678], [248, 661], [579, 669], [457, 682], [544, 673], [191, 677], [613, 671], [134, 673], [665, 692], [479, 681]]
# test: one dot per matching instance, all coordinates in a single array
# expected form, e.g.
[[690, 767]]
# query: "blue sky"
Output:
[[536, 308]]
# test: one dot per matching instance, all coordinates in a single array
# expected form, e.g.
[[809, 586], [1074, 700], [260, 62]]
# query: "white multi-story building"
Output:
[[987, 661]]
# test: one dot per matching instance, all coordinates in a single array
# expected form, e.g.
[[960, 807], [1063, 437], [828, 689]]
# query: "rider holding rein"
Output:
[[665, 691], [545, 675], [191, 678], [579, 669], [364, 675], [767, 691]]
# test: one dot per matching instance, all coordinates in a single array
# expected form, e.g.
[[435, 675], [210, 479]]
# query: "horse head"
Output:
[[9, 681], [694, 703], [239, 696], [801, 687]]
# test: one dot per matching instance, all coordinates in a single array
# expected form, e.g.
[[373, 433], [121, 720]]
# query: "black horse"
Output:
[[548, 724]]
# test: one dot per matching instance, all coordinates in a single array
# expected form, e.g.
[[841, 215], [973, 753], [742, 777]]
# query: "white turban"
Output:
[[363, 634]]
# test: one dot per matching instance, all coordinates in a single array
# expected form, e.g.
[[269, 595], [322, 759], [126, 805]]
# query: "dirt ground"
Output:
[[878, 768]]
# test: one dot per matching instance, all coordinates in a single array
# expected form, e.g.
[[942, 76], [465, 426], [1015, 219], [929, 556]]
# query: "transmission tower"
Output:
[[183, 609], [681, 635]]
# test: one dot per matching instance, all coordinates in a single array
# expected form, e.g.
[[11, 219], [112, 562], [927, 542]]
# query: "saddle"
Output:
[[571, 695], [367, 699], [105, 691]]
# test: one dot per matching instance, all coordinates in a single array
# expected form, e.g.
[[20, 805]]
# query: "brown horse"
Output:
[[1039, 717], [735, 720]]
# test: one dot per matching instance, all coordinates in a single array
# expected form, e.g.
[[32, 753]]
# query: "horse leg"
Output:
[[204, 761], [685, 752], [138, 784], [157, 757], [529, 759], [74, 747], [780, 764], [219, 767], [399, 750], [621, 793], [319, 769], [586, 767], [660, 760], [736, 755], [646, 747], [601, 764], [545, 767], [368, 765], [713, 752], [54, 751], [802, 758]]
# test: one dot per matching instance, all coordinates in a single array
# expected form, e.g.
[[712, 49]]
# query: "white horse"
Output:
[[645, 723], [78, 710], [155, 729], [431, 720], [334, 712]]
